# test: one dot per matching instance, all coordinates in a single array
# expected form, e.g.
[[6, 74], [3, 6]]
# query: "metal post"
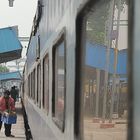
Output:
[[118, 95], [115, 61], [97, 92], [113, 84], [108, 42], [90, 96]]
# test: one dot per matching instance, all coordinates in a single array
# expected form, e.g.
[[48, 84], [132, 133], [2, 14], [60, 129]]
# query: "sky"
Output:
[[21, 15]]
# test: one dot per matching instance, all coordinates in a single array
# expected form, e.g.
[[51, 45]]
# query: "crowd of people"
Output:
[[7, 105]]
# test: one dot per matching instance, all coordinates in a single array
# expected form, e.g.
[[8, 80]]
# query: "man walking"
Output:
[[14, 93]]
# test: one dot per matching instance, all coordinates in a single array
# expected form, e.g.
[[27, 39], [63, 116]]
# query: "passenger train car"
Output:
[[80, 74]]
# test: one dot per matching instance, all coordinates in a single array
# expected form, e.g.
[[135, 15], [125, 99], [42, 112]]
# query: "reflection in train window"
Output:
[[39, 85], [59, 84], [33, 84], [104, 84], [32, 81], [29, 87], [45, 98]]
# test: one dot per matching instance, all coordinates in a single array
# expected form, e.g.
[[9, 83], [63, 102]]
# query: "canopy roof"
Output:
[[10, 46], [96, 57], [10, 76]]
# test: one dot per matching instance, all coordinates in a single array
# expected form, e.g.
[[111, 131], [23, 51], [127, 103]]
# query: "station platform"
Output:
[[18, 129]]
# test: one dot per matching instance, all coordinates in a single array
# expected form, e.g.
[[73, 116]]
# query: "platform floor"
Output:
[[17, 129]]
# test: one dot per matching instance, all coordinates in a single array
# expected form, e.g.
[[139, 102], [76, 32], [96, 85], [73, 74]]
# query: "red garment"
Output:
[[10, 104]]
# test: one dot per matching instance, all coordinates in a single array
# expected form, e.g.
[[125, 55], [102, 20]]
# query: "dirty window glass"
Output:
[[46, 83], [104, 84], [59, 73], [39, 85]]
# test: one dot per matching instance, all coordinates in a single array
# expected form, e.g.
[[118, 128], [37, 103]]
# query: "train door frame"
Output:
[[78, 116]]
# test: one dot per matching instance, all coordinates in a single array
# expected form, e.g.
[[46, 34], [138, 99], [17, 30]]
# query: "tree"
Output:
[[96, 24], [97, 21], [3, 69], [123, 2]]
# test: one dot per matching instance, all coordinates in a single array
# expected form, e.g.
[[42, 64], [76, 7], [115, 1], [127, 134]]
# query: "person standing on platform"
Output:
[[6, 105], [14, 93]]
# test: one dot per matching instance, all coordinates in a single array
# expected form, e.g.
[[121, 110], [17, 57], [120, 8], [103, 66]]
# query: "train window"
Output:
[[34, 81], [38, 48], [29, 86], [30, 81], [45, 98], [103, 75], [39, 85], [59, 83]]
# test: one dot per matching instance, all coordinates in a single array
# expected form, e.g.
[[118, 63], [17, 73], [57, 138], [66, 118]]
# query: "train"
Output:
[[78, 79]]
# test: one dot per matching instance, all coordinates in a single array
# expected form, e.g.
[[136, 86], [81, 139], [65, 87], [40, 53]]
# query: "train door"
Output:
[[102, 71]]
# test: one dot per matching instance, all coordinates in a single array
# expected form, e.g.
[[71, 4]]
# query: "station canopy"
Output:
[[96, 57], [10, 76], [10, 46]]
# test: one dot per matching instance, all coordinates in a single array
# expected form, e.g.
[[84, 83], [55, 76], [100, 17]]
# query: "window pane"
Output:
[[59, 83], [30, 85], [39, 85], [33, 89], [46, 83], [105, 72]]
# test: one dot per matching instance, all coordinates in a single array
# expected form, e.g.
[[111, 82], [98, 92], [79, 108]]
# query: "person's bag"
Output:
[[9, 118]]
